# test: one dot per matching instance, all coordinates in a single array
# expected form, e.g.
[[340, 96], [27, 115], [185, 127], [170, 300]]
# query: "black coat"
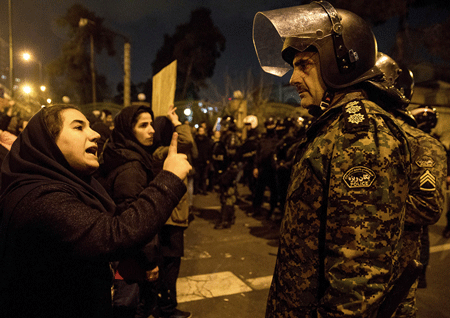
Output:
[[59, 231]]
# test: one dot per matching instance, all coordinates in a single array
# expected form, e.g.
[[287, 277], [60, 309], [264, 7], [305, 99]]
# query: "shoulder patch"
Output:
[[427, 181], [355, 117], [425, 162], [359, 177]]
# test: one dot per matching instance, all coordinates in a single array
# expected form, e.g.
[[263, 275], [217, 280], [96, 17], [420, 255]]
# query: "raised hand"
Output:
[[175, 162], [172, 116]]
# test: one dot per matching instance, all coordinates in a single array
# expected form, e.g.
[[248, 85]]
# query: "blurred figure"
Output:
[[201, 164], [213, 173], [172, 234], [248, 151], [264, 171], [103, 127], [6, 115], [284, 156], [224, 155], [6, 141]]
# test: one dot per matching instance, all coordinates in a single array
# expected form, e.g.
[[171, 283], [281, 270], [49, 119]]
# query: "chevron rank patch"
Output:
[[427, 181], [359, 177]]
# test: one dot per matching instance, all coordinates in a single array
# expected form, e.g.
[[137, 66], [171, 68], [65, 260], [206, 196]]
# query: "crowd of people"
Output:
[[94, 208]]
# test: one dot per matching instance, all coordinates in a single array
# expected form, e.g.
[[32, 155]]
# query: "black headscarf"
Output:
[[35, 160], [123, 146]]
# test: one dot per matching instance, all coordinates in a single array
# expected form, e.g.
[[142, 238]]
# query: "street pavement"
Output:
[[227, 273]]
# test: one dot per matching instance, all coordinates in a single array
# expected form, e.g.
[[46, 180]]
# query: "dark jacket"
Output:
[[126, 170], [59, 231], [204, 146]]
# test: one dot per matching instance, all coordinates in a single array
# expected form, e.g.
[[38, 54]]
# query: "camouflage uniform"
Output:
[[425, 201], [339, 239]]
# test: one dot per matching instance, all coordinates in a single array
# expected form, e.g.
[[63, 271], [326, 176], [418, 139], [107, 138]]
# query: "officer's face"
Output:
[[307, 78]]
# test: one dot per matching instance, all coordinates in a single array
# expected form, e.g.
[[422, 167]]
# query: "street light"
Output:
[[82, 23], [27, 57]]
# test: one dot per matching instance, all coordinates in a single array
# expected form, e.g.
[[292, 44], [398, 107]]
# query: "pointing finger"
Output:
[[173, 148]]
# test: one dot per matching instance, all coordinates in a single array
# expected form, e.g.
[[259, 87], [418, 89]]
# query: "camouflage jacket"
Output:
[[425, 201], [428, 174], [339, 239]]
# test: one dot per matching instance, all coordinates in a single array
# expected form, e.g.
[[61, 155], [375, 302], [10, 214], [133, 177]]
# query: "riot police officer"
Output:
[[428, 169], [340, 235], [248, 151], [225, 161], [265, 170], [426, 118], [284, 154]]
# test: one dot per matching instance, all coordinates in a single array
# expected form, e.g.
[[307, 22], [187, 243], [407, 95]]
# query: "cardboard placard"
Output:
[[164, 85]]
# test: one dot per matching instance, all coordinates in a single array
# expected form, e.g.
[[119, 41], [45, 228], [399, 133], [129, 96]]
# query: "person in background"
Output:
[[6, 141], [104, 127], [434, 162], [64, 223], [446, 231], [213, 172], [126, 169], [5, 117], [340, 237], [248, 151], [224, 155], [201, 164], [172, 234], [282, 160], [264, 171], [428, 170]]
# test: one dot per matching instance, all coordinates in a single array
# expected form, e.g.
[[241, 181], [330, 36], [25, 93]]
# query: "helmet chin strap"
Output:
[[315, 110]]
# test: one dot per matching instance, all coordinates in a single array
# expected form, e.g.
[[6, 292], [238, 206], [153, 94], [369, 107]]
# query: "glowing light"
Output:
[[27, 89], [43, 88], [188, 112], [26, 56]]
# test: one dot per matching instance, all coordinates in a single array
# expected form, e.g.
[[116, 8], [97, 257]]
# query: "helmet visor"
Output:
[[300, 25]]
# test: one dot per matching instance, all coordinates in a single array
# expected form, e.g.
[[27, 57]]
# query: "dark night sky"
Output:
[[146, 21]]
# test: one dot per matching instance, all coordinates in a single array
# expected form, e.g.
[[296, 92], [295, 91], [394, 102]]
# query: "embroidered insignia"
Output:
[[353, 108], [425, 162], [359, 177], [356, 118], [427, 181]]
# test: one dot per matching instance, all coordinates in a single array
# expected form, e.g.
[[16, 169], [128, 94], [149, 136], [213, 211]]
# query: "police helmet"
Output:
[[251, 120], [345, 43], [387, 85], [426, 118]]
